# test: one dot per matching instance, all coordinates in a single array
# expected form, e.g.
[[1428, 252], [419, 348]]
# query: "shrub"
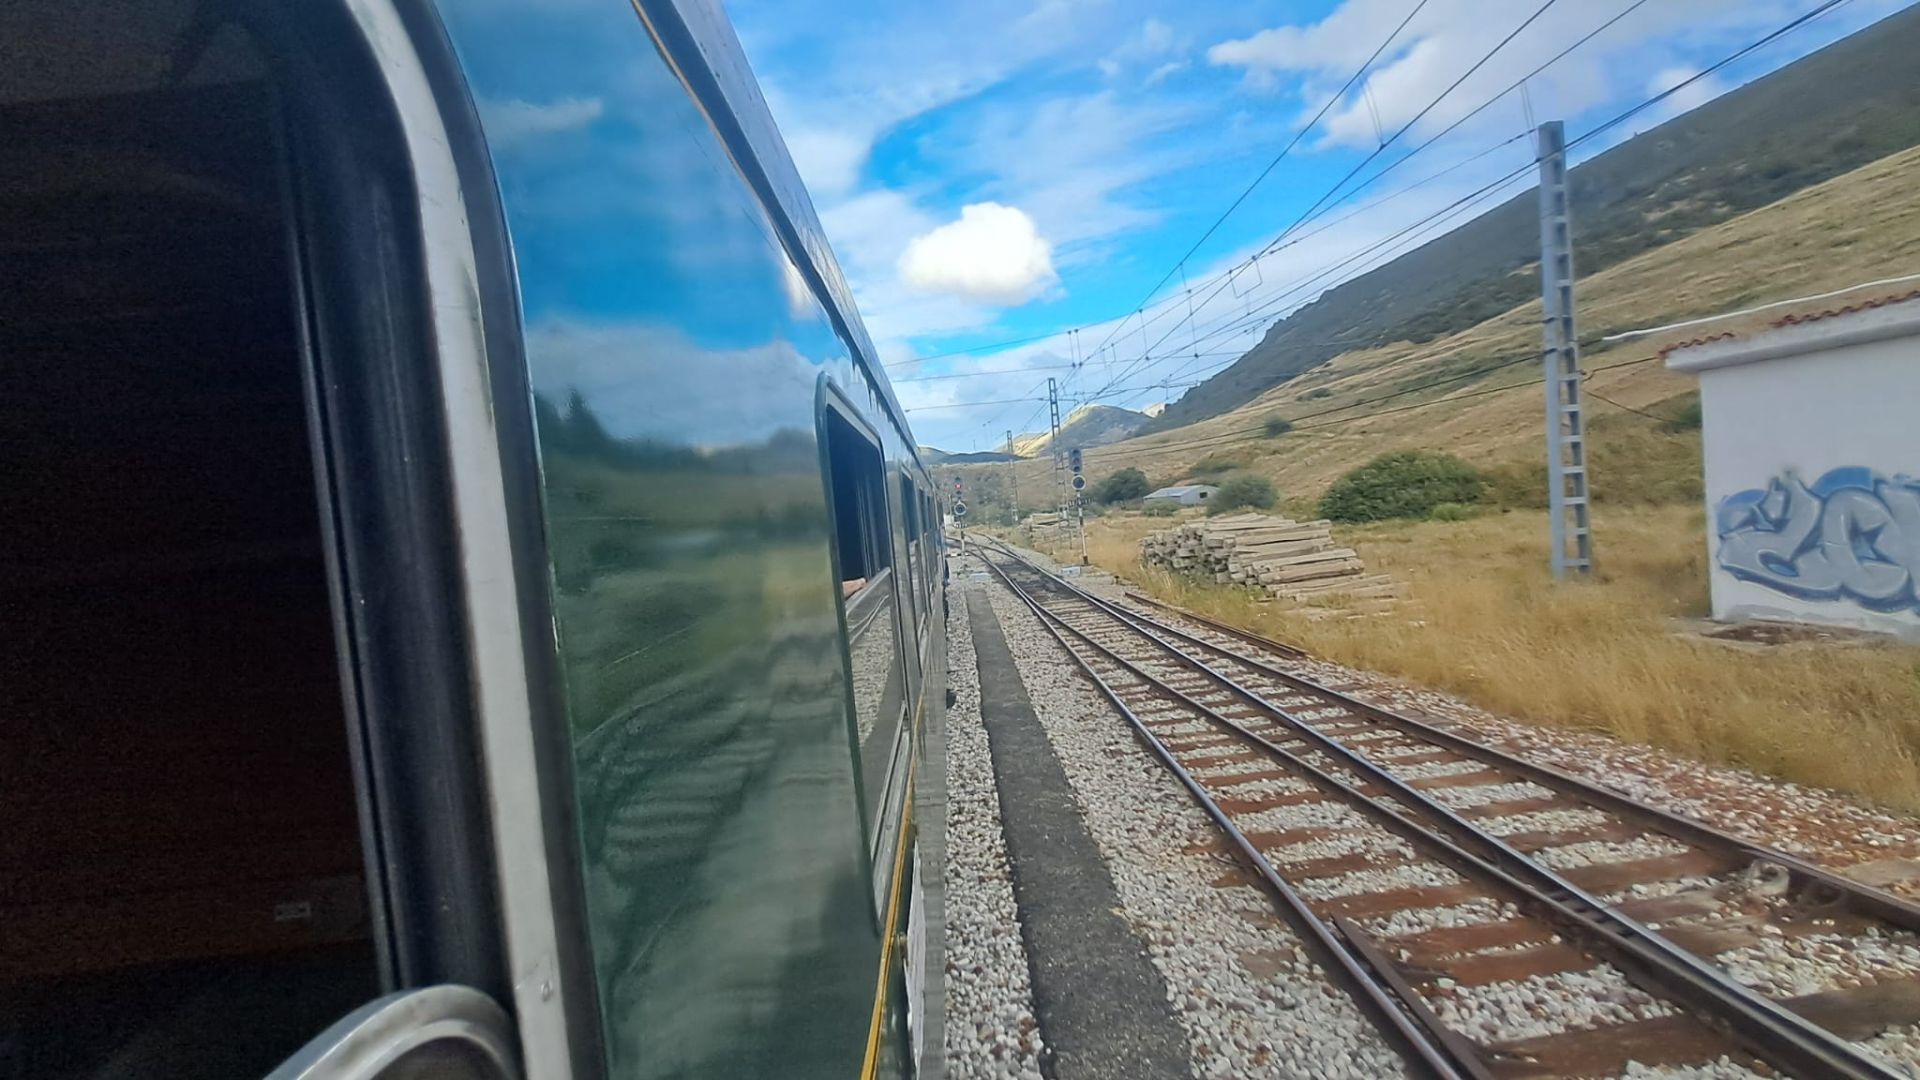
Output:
[[1122, 486], [1277, 426], [1244, 490], [1218, 462], [1517, 486], [1318, 393], [1687, 419], [1159, 509], [1407, 484], [1451, 512]]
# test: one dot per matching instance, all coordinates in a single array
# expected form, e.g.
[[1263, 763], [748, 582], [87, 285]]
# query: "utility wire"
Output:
[[1404, 128]]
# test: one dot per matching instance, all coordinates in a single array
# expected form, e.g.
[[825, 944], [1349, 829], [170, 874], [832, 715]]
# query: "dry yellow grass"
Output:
[[1484, 620]]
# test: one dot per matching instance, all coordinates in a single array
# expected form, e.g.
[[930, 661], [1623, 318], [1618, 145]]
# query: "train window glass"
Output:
[[862, 537], [180, 868], [859, 505], [910, 525]]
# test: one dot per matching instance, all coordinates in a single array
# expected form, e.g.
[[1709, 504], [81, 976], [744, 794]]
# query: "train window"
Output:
[[859, 507], [181, 867], [856, 478]]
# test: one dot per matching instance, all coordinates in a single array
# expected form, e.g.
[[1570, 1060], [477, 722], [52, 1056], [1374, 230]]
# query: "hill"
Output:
[[1444, 394], [1084, 428], [933, 456], [1849, 104]]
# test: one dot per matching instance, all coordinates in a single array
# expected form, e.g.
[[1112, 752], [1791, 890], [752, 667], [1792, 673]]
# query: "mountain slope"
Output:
[[1085, 427], [934, 456], [1849, 104]]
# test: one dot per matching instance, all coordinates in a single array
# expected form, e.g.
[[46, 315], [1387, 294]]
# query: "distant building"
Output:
[[1812, 450], [1182, 495]]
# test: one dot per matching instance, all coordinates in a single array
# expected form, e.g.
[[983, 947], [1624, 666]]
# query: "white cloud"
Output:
[[1448, 37], [1691, 96], [1163, 72], [829, 159], [992, 254], [1154, 40], [515, 121]]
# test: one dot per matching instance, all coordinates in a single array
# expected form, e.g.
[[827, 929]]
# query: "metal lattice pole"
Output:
[[1053, 447], [1013, 480], [1560, 353]]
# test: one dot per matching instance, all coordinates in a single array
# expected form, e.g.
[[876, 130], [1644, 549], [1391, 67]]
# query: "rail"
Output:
[[1775, 1033]]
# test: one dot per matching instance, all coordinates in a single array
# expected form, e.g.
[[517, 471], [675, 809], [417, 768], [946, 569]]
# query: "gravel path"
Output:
[[1250, 1000], [991, 1032]]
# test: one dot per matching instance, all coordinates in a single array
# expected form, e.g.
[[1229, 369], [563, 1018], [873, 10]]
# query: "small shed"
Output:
[[1812, 446], [1181, 495]]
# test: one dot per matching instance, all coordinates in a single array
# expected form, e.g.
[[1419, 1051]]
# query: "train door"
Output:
[[248, 775]]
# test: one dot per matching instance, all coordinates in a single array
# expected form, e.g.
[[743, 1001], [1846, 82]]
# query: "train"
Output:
[[471, 601]]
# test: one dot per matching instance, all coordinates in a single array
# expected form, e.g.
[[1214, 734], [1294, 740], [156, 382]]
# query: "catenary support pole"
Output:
[[1560, 353]]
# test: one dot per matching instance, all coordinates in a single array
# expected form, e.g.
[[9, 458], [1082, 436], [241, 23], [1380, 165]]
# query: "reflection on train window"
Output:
[[856, 476]]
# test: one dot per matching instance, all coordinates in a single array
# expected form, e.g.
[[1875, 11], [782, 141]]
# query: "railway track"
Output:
[[1496, 918]]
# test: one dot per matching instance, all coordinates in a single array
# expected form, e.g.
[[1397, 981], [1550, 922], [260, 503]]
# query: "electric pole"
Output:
[[1053, 447], [1013, 479], [1566, 425]]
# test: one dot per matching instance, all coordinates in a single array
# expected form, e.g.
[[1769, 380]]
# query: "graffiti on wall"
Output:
[[1852, 535]]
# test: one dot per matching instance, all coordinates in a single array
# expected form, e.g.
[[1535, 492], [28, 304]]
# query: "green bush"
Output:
[[1122, 486], [1277, 426], [1517, 486], [1452, 512], [1159, 509], [1239, 492], [1407, 484], [1687, 419], [1218, 462]]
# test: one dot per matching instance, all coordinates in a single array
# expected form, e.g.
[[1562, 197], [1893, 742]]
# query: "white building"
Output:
[[1812, 442], [1182, 495]]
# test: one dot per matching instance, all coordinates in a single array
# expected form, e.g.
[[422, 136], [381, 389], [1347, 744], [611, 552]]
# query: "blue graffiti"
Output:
[[1852, 534]]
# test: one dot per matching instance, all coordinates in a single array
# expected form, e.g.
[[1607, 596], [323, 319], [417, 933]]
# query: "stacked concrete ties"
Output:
[[1290, 560]]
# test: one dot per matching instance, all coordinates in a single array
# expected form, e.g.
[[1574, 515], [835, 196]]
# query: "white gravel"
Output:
[[1546, 1005], [1250, 1001], [991, 1032]]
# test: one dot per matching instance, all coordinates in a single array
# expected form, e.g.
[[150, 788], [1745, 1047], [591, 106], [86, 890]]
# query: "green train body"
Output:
[[484, 595]]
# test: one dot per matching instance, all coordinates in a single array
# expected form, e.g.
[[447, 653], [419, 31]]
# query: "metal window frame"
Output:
[[485, 504]]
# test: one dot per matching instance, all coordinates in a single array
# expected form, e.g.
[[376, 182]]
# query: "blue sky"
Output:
[[1001, 169]]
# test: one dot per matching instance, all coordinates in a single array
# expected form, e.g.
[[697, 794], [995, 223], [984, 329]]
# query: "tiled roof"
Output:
[[1859, 305], [1798, 318]]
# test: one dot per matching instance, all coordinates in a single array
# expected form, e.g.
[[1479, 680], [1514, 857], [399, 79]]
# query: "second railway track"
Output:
[[1497, 918]]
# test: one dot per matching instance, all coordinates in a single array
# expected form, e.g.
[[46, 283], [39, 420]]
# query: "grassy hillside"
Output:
[[1858, 227], [1085, 427], [1850, 104]]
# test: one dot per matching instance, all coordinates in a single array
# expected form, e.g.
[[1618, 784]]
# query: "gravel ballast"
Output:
[[1251, 1001], [991, 1032]]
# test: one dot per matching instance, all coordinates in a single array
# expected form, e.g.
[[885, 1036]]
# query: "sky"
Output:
[[993, 171]]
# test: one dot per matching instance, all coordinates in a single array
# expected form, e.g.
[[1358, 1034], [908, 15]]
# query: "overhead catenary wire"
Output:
[[1594, 132], [1404, 128], [1598, 129]]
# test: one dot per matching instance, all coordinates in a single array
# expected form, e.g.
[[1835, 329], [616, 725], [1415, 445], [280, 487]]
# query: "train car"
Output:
[[468, 595]]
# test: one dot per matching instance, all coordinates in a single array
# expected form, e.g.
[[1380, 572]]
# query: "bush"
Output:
[[1451, 512], [1687, 419], [1218, 462], [1318, 393], [1245, 490], [1407, 484], [1517, 486], [1277, 426], [1122, 486], [1159, 509]]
